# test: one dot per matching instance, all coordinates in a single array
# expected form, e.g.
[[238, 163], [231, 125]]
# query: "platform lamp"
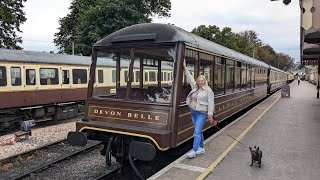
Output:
[[286, 2]]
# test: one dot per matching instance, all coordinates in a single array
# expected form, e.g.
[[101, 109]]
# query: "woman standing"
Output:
[[201, 103]]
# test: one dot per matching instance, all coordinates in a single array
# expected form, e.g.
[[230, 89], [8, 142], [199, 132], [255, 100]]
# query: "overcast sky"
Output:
[[277, 25]]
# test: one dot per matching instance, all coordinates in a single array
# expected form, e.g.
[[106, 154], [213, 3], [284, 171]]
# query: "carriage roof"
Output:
[[9, 55], [165, 33]]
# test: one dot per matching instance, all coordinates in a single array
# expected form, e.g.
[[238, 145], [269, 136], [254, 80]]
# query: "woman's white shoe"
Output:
[[200, 151], [191, 154]]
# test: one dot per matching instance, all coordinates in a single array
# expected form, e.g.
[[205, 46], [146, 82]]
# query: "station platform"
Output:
[[287, 130]]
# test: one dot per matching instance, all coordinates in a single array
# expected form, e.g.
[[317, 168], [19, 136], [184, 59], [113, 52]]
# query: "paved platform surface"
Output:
[[286, 129], [289, 136]]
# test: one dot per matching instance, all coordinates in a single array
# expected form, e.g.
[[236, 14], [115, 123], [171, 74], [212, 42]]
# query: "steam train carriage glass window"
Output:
[[146, 77], [114, 76], [16, 76], [100, 76], [65, 77], [126, 76], [191, 57], [206, 64], [49, 76], [149, 60], [79, 76], [230, 76], [243, 76], [3, 76], [137, 76], [253, 84], [153, 76], [30, 77], [237, 75], [219, 75], [249, 75]]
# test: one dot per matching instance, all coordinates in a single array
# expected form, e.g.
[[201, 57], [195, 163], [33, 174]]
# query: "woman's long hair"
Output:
[[205, 81]]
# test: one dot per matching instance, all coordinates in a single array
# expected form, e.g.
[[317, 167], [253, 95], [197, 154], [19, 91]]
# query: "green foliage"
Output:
[[90, 21], [11, 17], [246, 42]]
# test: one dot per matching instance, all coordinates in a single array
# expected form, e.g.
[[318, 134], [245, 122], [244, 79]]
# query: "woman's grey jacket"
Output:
[[205, 99]]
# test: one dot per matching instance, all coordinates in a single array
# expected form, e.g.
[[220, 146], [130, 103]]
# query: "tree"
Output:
[[207, 32], [94, 20], [11, 17], [246, 42]]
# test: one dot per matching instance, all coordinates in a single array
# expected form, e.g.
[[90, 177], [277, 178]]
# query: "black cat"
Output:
[[256, 155]]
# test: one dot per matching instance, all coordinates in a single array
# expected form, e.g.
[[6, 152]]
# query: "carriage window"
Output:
[[65, 77], [49, 76], [243, 76], [79, 76], [30, 77], [146, 79], [165, 76], [249, 76], [253, 84], [100, 76], [126, 76], [186, 88], [16, 76], [3, 76], [152, 75], [230, 76], [137, 76], [219, 76], [114, 76], [206, 70], [151, 61], [238, 76]]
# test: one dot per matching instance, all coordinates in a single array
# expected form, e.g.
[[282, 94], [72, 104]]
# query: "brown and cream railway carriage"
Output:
[[43, 86], [143, 115]]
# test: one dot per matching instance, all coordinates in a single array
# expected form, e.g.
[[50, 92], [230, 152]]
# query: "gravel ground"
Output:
[[87, 166], [62, 170], [40, 136]]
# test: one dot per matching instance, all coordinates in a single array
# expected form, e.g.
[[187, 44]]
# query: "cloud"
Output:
[[277, 25]]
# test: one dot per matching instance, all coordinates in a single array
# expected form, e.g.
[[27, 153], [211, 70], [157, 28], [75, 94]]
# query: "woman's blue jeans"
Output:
[[198, 120]]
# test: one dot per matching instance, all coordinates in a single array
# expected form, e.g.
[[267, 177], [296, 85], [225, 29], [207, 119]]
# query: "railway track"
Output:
[[30, 152], [42, 166], [41, 124]]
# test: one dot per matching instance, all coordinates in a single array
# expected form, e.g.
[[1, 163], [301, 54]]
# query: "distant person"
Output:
[[201, 103], [298, 80]]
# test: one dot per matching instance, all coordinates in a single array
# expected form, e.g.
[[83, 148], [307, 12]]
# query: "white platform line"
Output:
[[191, 168]]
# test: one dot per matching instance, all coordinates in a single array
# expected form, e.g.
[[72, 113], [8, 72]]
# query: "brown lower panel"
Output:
[[158, 137], [245, 99]]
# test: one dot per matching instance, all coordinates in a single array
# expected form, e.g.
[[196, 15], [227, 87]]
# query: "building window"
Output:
[[79, 76], [16, 76], [30, 77]]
